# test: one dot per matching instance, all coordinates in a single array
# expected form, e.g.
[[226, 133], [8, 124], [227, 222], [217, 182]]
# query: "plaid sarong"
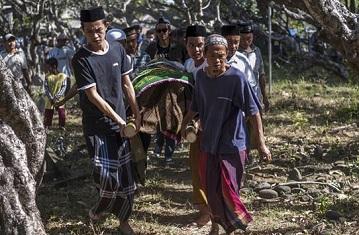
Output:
[[112, 174]]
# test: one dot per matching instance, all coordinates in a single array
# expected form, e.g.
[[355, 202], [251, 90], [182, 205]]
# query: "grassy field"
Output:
[[301, 130]]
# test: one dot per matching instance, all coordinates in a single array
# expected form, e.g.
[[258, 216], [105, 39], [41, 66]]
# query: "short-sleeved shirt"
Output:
[[138, 61], [16, 62], [174, 52], [105, 71], [55, 87], [222, 104], [255, 60], [241, 62], [63, 56], [190, 67]]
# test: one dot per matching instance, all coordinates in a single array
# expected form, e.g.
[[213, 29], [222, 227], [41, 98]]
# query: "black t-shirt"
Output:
[[162, 52], [174, 52], [104, 71]]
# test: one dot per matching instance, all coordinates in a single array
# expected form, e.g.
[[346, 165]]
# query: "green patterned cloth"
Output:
[[153, 76]]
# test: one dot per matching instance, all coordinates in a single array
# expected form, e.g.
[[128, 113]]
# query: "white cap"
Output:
[[115, 35], [9, 36]]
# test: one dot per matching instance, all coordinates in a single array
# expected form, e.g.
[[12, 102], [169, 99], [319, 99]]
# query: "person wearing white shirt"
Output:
[[195, 38], [15, 60], [253, 53], [236, 58], [63, 53]]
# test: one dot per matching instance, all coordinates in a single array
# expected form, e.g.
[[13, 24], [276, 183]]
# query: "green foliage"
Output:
[[299, 119], [324, 204]]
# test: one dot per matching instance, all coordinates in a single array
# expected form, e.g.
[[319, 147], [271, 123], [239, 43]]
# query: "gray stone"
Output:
[[268, 194], [283, 189], [305, 198], [261, 186]]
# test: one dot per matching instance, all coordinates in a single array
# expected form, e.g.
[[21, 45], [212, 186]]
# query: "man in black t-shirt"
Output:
[[102, 77], [163, 46]]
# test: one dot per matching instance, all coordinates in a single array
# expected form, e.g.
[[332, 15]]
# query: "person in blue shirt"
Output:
[[223, 99]]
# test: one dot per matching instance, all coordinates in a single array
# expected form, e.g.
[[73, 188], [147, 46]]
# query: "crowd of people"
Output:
[[228, 98]]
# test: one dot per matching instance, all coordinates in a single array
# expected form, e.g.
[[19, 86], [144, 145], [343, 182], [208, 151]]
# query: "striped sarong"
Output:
[[112, 173], [220, 177]]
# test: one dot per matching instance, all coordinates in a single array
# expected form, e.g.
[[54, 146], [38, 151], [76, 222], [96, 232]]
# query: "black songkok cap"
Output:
[[92, 14], [229, 30], [196, 31], [163, 20], [130, 31], [246, 27]]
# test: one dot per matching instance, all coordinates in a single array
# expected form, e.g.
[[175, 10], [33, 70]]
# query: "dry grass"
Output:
[[302, 117]]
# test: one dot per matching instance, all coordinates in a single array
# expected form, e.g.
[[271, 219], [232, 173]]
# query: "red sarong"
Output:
[[221, 177]]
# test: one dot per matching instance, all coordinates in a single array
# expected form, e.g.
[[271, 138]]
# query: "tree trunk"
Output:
[[22, 145], [338, 26]]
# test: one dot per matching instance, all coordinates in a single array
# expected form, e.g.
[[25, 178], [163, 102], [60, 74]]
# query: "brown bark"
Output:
[[18, 210], [22, 145]]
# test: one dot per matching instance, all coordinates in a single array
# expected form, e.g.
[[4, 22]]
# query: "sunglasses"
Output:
[[162, 30]]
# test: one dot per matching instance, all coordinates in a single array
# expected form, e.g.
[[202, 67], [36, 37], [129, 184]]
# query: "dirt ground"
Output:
[[312, 126]]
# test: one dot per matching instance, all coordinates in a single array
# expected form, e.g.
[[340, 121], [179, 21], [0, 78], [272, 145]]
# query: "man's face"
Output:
[[246, 40], [131, 43], [162, 32], [233, 44], [10, 44], [216, 56], [95, 32], [195, 47]]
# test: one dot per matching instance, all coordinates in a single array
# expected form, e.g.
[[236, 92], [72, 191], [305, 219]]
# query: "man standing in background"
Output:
[[195, 37], [15, 60], [236, 58], [63, 54], [254, 56]]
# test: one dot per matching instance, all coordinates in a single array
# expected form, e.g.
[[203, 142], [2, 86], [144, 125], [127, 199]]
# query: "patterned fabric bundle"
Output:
[[163, 92]]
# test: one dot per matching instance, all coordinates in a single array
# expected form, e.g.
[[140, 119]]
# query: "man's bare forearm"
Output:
[[72, 92], [256, 123]]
